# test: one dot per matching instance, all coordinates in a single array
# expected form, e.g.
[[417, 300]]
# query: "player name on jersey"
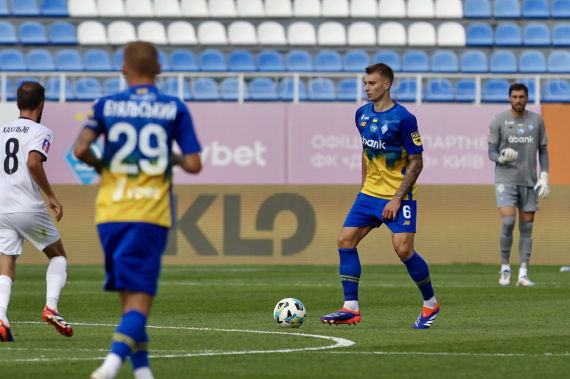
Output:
[[15, 129], [143, 109]]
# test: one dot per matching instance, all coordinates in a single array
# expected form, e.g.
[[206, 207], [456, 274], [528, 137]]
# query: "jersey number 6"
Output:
[[407, 211]]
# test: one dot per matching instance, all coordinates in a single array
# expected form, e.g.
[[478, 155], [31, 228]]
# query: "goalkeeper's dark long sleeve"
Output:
[[543, 158], [494, 152]]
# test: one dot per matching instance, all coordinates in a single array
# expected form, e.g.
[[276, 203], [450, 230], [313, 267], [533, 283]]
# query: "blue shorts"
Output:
[[367, 210], [133, 253]]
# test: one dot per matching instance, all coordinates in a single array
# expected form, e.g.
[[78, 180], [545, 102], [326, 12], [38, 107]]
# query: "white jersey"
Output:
[[18, 191]]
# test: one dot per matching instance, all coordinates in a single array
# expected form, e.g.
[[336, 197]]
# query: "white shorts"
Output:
[[36, 227]]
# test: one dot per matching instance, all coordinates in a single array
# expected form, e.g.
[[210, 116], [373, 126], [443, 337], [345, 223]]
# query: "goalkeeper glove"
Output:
[[542, 187], [508, 155]]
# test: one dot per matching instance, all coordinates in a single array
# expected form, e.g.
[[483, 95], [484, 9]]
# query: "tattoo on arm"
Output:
[[412, 174]]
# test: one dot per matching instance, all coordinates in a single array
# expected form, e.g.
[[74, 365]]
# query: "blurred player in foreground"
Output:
[[133, 207], [391, 164], [515, 137], [24, 146]]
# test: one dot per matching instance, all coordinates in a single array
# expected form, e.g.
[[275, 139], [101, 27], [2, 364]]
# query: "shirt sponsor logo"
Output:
[[385, 128], [515, 139], [45, 146], [15, 129], [364, 118], [531, 127], [144, 109], [521, 130], [373, 128], [380, 145], [417, 139]]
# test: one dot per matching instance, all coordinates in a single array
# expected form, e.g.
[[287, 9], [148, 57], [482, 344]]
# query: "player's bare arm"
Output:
[[82, 149], [412, 174], [190, 163], [36, 168]]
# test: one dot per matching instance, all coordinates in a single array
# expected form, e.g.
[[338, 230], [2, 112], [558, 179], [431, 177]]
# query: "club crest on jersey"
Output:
[[531, 127], [373, 128], [521, 130], [417, 139], [384, 127], [45, 146]]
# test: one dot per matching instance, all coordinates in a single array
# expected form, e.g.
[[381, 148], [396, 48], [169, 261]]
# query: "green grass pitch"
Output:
[[483, 330]]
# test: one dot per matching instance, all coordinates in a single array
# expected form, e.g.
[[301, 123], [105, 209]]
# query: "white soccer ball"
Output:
[[289, 313]]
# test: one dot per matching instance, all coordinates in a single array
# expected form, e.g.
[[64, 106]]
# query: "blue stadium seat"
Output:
[[163, 60], [356, 61], [416, 61], [407, 90], [322, 89], [118, 60], [12, 60], [7, 33], [212, 60], [444, 61], [559, 62], [4, 12], [68, 60], [347, 90], [532, 61], [270, 61], [170, 87], [87, 89], [205, 89], [25, 8], [507, 9], [561, 9], [299, 60], [496, 91], [241, 60], [40, 60], [112, 86], [439, 90], [286, 90], [52, 90], [33, 33], [263, 89], [54, 8], [557, 91], [529, 83], [230, 90], [561, 34], [480, 34], [504, 62], [536, 34], [328, 61], [183, 60], [474, 61], [477, 9], [10, 90], [97, 60], [535, 9], [62, 33], [26, 79], [465, 90], [389, 57], [508, 34]]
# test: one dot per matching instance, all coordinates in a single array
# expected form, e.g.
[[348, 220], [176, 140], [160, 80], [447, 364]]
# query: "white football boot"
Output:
[[505, 279], [100, 373], [525, 281]]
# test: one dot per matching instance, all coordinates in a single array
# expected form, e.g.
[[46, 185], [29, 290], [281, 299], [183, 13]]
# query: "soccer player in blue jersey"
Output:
[[134, 207], [391, 164]]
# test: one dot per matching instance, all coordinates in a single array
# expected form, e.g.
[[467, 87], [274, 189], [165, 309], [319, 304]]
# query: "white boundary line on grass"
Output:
[[545, 355]]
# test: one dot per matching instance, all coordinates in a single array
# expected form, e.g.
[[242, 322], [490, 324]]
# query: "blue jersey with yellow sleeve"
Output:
[[388, 138], [140, 125]]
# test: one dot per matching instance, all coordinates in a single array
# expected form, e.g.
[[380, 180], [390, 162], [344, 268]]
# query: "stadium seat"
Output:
[[230, 90], [121, 32], [40, 60], [32, 33], [529, 83], [536, 34], [68, 60], [212, 60], [504, 62], [195, 8], [415, 61], [299, 60], [25, 8], [167, 8], [7, 33], [302, 33], [87, 89], [557, 91], [421, 34], [508, 34], [535, 9], [335, 8], [139, 8], [559, 62], [407, 90], [420, 9], [181, 33], [278, 8], [242, 33], [451, 34], [153, 32], [331, 33], [52, 88], [54, 8], [347, 90], [365, 8], [97, 60], [439, 90], [479, 34], [477, 9], [271, 33], [112, 86], [532, 61], [163, 60], [507, 9], [448, 9], [287, 89], [183, 60], [361, 34], [4, 12], [223, 8], [322, 89], [356, 61], [392, 34], [444, 61], [12, 60], [82, 8], [465, 90], [328, 61], [392, 9], [241, 60], [474, 61], [561, 9], [561, 34], [250, 8], [205, 89], [389, 57], [212, 33], [91, 33], [263, 89], [496, 91], [62, 33], [111, 8], [270, 61], [118, 60], [10, 90], [307, 8], [170, 88]]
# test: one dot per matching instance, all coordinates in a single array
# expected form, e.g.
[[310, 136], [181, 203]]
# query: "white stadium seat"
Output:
[[82, 8], [451, 34], [212, 33], [361, 34], [195, 8], [421, 34], [332, 33], [152, 31], [392, 34], [121, 32], [167, 8], [335, 8], [111, 8], [91, 33], [364, 8], [181, 33], [242, 33], [392, 9], [448, 9], [139, 8], [301, 33], [271, 33], [223, 8], [421, 9], [250, 8], [278, 8], [307, 8]]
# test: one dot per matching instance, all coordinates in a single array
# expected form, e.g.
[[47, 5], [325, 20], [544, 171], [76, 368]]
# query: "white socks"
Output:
[[143, 373], [351, 305], [5, 291], [112, 364], [431, 303], [505, 268], [55, 279], [523, 271]]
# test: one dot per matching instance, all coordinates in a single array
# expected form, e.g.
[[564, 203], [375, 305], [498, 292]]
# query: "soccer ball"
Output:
[[289, 313]]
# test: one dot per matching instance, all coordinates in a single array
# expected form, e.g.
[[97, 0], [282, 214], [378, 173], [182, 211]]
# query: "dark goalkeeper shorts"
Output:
[[521, 197]]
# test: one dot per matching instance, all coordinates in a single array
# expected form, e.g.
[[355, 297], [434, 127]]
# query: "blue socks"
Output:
[[418, 270], [140, 358], [128, 335], [350, 271]]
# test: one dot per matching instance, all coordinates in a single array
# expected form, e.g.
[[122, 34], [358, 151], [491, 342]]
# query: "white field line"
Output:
[[545, 355]]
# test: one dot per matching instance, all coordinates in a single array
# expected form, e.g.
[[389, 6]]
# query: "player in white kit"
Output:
[[24, 146]]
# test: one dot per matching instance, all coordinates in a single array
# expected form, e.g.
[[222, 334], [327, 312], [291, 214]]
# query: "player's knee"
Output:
[[344, 242], [526, 229], [404, 253], [508, 224]]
